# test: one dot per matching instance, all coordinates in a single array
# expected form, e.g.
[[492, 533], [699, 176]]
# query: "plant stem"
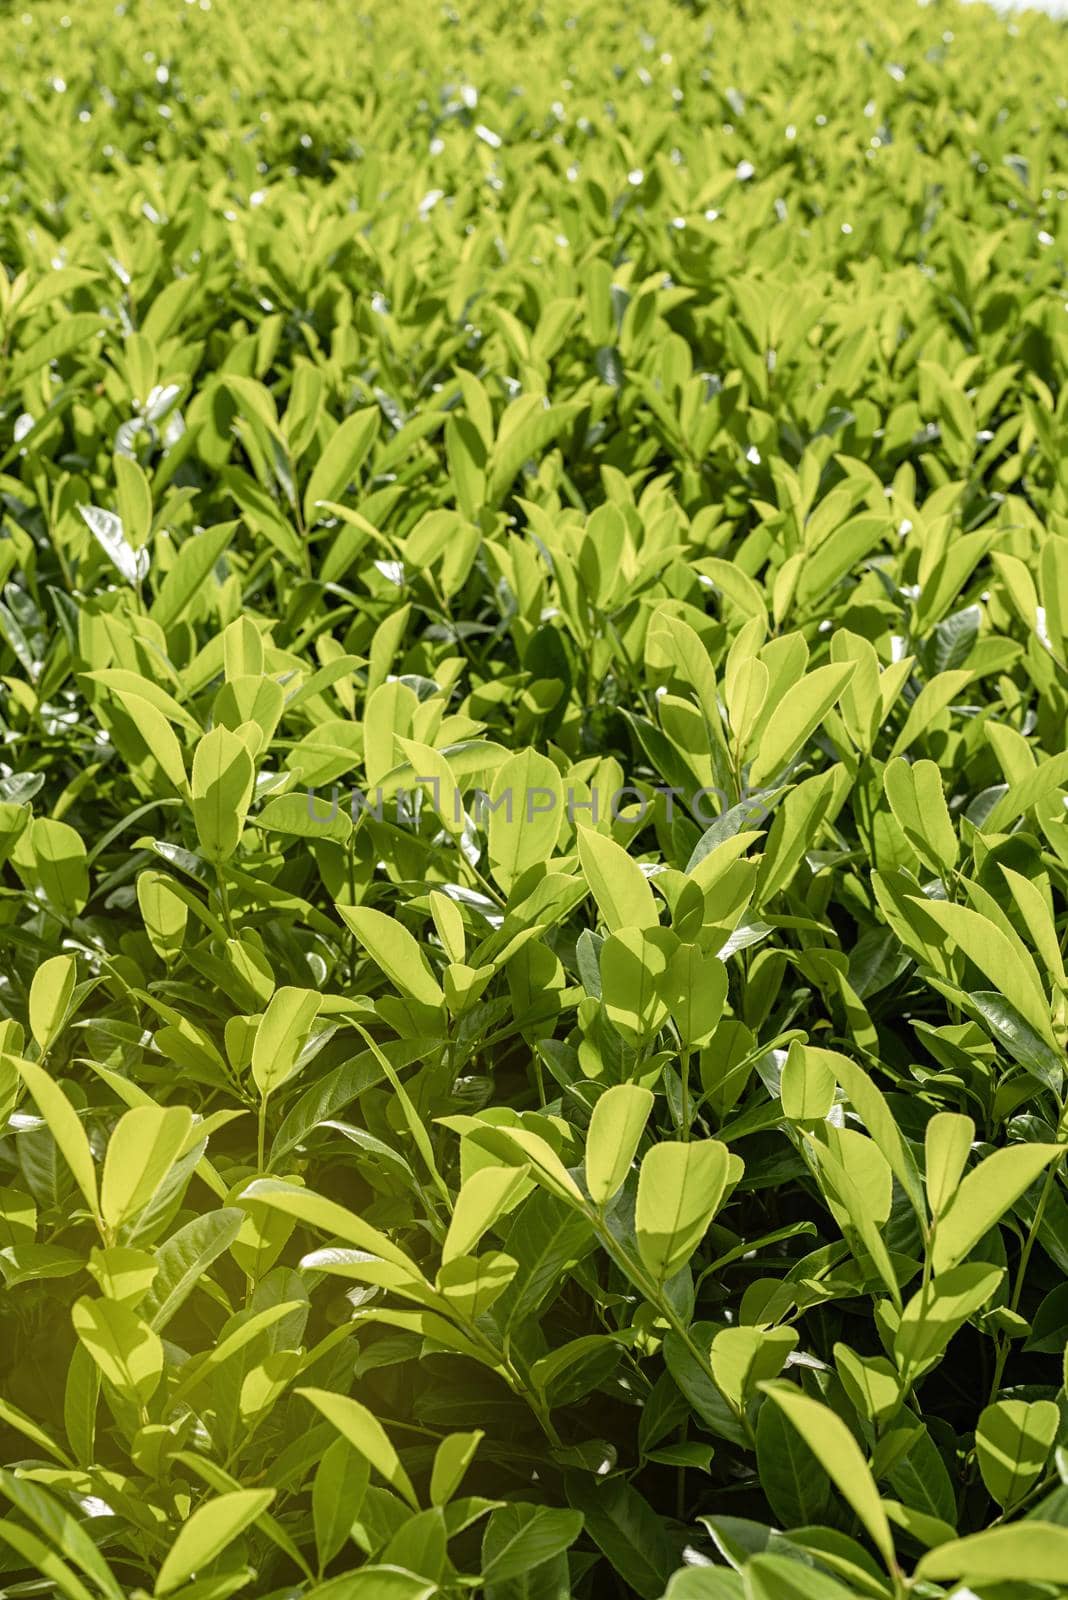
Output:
[[261, 1134], [224, 901], [1004, 1343]]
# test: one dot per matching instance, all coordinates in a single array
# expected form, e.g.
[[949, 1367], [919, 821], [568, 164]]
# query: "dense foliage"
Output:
[[533, 839]]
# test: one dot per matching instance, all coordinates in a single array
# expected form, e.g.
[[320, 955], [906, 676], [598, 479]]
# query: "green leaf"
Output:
[[217, 1478], [61, 1529], [743, 1357], [485, 1197], [326, 1215], [999, 960], [697, 994], [134, 501], [451, 1461], [207, 1533], [1030, 1552], [183, 1261], [471, 1284], [419, 1544], [948, 1141], [282, 1035], [1012, 1444], [365, 1433], [124, 1347], [338, 1490], [693, 1378], [223, 776], [158, 735], [43, 1561], [807, 1084], [526, 1146], [680, 1187], [64, 1126], [391, 947], [797, 1488], [299, 817], [50, 997], [984, 1196], [918, 802], [21, 1423], [619, 885], [341, 460], [871, 1106], [705, 1583], [376, 1581], [871, 1383], [106, 528], [59, 857], [637, 972], [519, 1538], [625, 1527], [526, 429], [840, 1457], [197, 557], [60, 340], [771, 1577], [81, 1395], [1017, 1036], [922, 1479], [615, 1130], [933, 1316], [796, 717], [143, 1148], [526, 813]]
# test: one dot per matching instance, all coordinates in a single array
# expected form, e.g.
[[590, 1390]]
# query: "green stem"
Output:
[[653, 1293], [224, 901], [687, 1058], [261, 1133], [515, 1380], [1004, 1343]]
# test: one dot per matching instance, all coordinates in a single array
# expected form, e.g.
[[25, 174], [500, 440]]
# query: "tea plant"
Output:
[[533, 833]]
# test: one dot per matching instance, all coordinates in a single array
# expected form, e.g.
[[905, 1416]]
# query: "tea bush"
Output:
[[534, 645]]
